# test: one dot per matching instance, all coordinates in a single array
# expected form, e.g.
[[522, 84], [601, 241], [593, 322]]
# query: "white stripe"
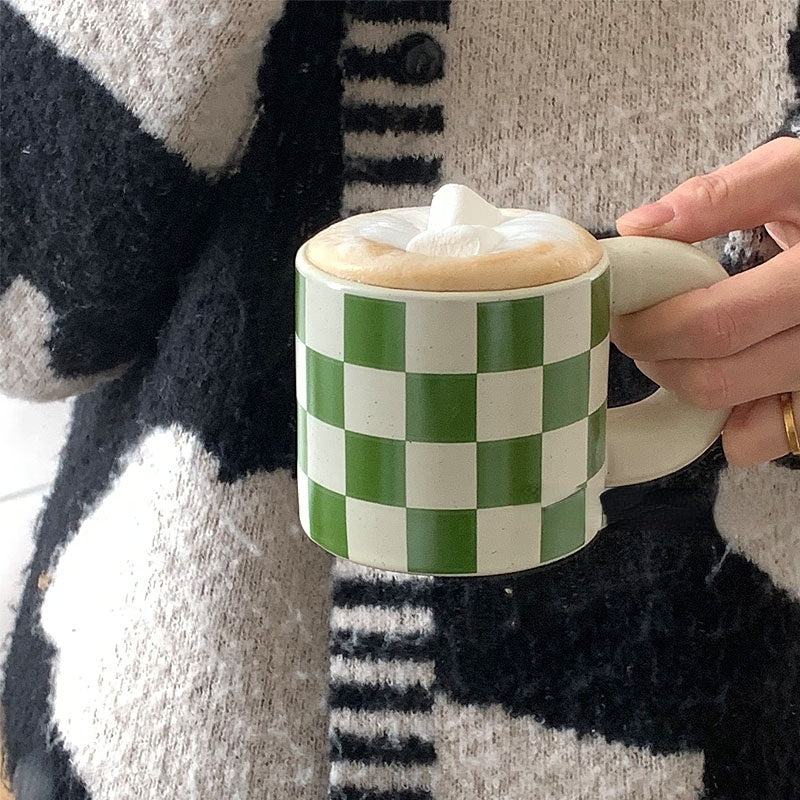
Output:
[[365, 619], [300, 372], [382, 777], [398, 672], [361, 194], [383, 92], [380, 36], [394, 724], [349, 570], [392, 145]]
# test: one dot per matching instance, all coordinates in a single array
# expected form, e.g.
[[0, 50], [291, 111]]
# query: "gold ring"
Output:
[[790, 424]]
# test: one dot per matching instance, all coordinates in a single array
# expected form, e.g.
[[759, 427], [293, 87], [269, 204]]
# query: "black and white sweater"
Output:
[[178, 636]]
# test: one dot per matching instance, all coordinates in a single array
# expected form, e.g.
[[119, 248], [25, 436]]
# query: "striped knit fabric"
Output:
[[381, 695], [178, 635]]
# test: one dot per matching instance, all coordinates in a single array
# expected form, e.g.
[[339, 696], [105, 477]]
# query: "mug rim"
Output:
[[304, 266]]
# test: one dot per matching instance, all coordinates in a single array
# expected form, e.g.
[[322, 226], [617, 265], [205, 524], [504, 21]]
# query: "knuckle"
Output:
[[789, 147], [705, 385], [718, 332], [713, 188]]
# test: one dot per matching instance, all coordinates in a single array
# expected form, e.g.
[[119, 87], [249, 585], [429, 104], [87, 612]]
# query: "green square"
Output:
[[510, 472], [327, 519], [325, 388], [565, 389], [376, 468], [597, 441], [441, 408], [563, 526], [300, 306], [601, 307], [374, 332], [442, 542], [510, 334], [302, 439]]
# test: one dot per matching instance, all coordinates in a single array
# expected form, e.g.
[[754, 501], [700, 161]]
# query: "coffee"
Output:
[[459, 243]]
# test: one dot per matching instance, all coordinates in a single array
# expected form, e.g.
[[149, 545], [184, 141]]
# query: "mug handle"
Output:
[[660, 434]]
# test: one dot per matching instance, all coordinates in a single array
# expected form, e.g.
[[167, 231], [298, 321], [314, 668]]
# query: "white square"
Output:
[[598, 375], [376, 534], [326, 465], [595, 519], [509, 404], [441, 475], [324, 319], [302, 500], [441, 336], [567, 322], [564, 454], [509, 538], [375, 401], [300, 373]]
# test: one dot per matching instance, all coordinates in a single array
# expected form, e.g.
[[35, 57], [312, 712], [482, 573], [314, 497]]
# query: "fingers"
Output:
[[763, 186], [766, 368], [725, 318], [755, 432]]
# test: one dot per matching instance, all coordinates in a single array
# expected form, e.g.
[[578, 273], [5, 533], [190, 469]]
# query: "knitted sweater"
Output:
[[179, 637]]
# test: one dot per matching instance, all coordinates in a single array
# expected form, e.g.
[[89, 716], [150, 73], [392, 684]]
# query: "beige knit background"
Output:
[[589, 107]]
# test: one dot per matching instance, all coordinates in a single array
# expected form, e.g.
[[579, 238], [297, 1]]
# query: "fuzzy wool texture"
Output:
[[558, 764], [186, 69], [758, 512], [663, 659], [220, 370], [96, 216], [26, 325], [219, 571]]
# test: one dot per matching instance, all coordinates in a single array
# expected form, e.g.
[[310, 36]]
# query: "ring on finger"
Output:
[[790, 423]]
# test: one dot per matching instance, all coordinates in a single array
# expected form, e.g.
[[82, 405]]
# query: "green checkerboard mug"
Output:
[[466, 432]]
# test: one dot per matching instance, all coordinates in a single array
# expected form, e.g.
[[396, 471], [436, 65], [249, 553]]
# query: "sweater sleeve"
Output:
[[119, 122]]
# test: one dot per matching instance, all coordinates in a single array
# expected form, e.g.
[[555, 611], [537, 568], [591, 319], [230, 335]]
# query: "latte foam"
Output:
[[459, 243]]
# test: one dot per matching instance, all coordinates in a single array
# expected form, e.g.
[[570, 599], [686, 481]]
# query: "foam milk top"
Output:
[[458, 243]]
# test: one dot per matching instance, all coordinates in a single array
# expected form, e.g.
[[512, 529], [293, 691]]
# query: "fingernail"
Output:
[[650, 216], [784, 234]]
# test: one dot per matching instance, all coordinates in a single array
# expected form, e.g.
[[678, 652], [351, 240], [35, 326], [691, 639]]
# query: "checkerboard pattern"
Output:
[[452, 436]]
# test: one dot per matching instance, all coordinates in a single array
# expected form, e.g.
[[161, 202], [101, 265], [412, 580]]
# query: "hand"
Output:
[[736, 343]]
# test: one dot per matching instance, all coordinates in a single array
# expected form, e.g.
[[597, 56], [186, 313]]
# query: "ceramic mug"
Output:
[[467, 433]]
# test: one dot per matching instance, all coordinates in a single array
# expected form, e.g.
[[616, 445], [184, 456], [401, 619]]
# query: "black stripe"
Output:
[[381, 749], [357, 793], [397, 10], [411, 647], [349, 593], [393, 118], [364, 65], [393, 171], [369, 697]]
